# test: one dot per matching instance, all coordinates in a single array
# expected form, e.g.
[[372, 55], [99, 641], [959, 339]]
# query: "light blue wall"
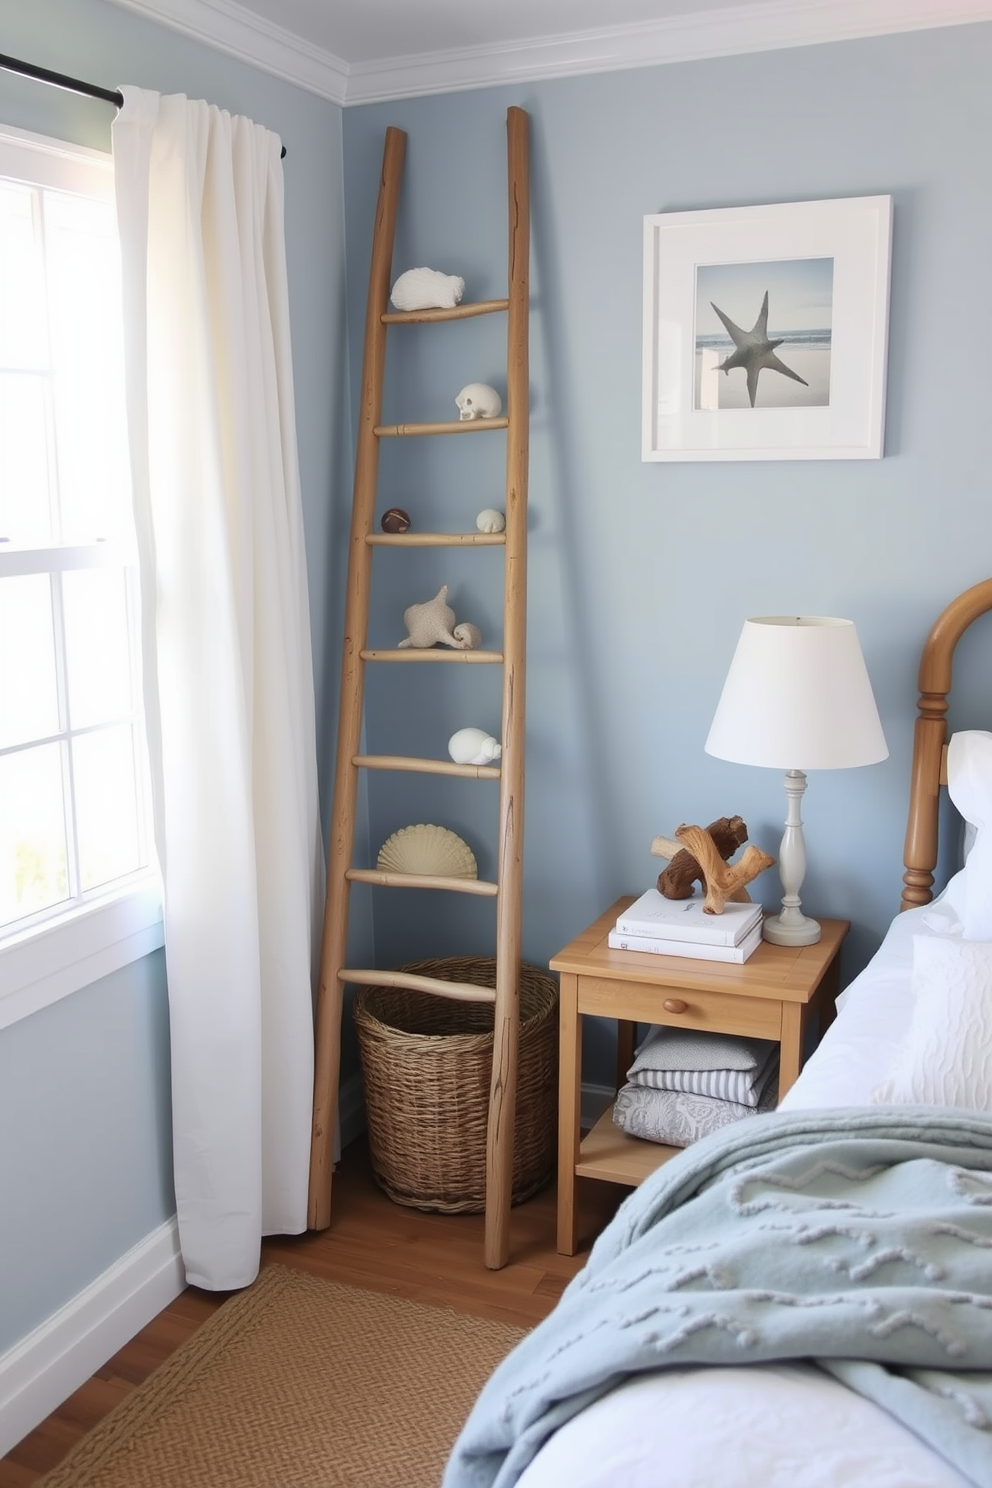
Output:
[[84, 1105], [642, 574], [85, 1149]]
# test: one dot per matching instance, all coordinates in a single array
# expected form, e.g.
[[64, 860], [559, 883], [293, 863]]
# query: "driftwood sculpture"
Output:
[[699, 853], [677, 880]]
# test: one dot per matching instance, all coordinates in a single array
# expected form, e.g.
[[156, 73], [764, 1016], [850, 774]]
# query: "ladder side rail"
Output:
[[327, 1034], [503, 1085]]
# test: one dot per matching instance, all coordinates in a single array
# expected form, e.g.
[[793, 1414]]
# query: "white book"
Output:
[[695, 949], [685, 919]]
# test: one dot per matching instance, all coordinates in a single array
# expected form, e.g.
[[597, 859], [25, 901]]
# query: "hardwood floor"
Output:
[[371, 1243]]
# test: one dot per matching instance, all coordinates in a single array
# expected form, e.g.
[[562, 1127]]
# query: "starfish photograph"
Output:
[[754, 352], [735, 306]]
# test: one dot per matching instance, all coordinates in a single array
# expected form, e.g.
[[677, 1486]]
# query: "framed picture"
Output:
[[765, 331]]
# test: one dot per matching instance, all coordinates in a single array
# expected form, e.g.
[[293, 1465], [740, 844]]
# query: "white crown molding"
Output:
[[239, 32], [767, 25]]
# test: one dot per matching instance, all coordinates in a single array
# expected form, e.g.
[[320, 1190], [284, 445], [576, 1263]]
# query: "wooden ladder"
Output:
[[364, 540]]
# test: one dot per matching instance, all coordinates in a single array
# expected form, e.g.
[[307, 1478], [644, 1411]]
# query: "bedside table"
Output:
[[771, 996]]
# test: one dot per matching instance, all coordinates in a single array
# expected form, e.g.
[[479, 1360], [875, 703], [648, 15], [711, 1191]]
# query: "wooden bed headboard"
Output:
[[930, 740]]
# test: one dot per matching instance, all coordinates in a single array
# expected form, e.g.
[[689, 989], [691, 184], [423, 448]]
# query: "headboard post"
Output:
[[936, 666]]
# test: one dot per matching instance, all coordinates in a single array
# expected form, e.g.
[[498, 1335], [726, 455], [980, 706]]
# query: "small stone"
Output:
[[395, 520]]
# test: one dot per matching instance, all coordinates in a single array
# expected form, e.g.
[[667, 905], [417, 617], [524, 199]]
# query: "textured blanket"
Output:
[[860, 1239]]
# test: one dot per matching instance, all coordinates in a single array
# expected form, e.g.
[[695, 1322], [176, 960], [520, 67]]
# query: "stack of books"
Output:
[[680, 927]]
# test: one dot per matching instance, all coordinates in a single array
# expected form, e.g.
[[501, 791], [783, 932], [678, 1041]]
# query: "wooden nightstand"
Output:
[[770, 996]]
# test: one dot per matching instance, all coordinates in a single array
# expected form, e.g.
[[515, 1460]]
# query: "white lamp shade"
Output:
[[797, 697]]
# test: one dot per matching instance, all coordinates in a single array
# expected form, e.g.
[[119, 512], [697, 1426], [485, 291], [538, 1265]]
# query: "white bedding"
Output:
[[775, 1425], [857, 1050]]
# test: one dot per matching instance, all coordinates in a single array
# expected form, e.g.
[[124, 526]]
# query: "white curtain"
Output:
[[228, 674]]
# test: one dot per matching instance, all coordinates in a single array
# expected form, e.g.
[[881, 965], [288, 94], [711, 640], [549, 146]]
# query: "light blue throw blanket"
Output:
[[858, 1238]]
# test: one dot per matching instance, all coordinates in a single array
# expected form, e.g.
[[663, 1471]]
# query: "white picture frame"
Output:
[[818, 260]]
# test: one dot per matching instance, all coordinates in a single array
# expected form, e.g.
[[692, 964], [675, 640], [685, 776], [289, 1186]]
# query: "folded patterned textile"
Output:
[[679, 1118], [712, 1064]]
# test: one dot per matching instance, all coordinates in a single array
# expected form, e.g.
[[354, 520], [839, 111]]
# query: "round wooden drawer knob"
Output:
[[674, 1005]]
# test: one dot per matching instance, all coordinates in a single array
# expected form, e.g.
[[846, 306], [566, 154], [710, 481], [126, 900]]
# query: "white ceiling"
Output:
[[363, 51]]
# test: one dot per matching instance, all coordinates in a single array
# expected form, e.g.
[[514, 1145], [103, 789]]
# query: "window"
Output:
[[74, 829]]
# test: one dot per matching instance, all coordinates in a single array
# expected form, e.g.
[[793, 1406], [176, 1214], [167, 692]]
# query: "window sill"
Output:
[[52, 961]]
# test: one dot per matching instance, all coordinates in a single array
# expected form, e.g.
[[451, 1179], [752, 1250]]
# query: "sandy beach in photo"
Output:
[[716, 390]]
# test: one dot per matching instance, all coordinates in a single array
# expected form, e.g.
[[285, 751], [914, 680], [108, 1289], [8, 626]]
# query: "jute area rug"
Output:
[[298, 1383]]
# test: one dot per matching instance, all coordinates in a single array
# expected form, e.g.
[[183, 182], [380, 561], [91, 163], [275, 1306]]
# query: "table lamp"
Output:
[[797, 698]]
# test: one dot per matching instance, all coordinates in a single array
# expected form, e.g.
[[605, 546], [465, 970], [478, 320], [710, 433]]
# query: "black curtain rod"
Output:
[[71, 85]]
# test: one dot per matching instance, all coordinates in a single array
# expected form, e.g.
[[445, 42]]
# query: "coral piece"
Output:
[[723, 880], [427, 849], [477, 400], [427, 289], [473, 746], [490, 520], [433, 623], [676, 881], [395, 520]]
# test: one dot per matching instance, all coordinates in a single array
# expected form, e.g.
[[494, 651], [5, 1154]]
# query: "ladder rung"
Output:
[[424, 766], [431, 653], [460, 991], [456, 426], [436, 539], [477, 886], [459, 312]]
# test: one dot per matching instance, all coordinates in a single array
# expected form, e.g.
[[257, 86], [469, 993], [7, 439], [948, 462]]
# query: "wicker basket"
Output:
[[426, 1063]]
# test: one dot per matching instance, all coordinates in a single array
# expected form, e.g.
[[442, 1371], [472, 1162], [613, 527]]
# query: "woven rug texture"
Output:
[[298, 1383]]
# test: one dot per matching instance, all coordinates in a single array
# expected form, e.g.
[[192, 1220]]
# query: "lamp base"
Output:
[[791, 928]]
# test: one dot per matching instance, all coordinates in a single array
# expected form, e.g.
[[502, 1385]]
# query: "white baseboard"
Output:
[[41, 1370]]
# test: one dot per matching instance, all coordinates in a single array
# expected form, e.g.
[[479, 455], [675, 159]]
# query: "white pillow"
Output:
[[969, 784], [945, 1058]]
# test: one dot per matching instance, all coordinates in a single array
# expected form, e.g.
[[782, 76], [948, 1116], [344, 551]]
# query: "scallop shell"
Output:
[[429, 850], [490, 520]]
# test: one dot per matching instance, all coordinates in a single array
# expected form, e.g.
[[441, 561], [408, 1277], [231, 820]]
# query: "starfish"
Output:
[[754, 350]]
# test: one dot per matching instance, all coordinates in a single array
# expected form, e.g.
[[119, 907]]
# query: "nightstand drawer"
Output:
[[681, 1007]]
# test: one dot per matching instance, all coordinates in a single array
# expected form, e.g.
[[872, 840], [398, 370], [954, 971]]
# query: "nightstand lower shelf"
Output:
[[607, 1153]]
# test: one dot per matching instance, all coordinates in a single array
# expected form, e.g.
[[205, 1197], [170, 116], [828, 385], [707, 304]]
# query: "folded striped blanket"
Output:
[[678, 1117]]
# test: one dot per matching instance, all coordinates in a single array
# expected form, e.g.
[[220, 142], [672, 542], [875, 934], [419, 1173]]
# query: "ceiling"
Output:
[[366, 30], [363, 51]]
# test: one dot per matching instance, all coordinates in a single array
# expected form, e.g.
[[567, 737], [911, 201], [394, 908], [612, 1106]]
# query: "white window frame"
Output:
[[70, 949]]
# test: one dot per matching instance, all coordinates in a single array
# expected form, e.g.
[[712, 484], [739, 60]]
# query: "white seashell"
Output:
[[430, 623], [427, 289], [473, 746], [426, 849], [490, 520], [468, 636], [478, 400]]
